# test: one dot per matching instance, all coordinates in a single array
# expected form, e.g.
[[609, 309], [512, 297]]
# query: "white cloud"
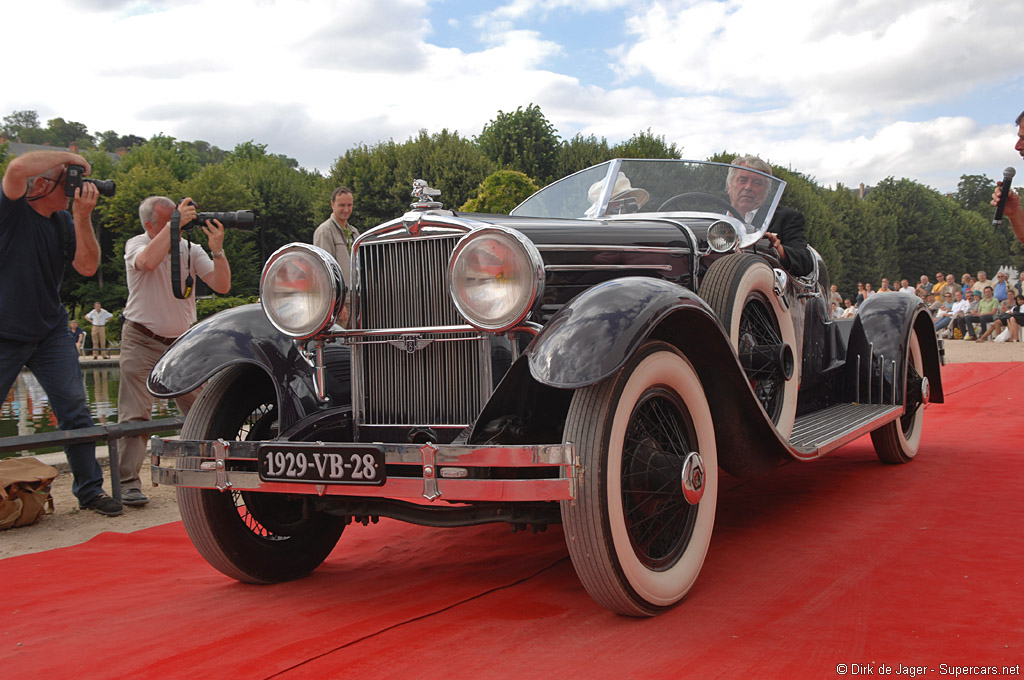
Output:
[[836, 89]]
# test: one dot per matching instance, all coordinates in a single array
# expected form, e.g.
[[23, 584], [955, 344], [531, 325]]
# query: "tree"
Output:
[[500, 192], [974, 192], [284, 199], [523, 140], [19, 123], [580, 153], [111, 142], [645, 144], [448, 162], [222, 188], [60, 132]]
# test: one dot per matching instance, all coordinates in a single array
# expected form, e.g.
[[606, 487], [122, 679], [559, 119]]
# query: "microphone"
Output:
[[1008, 174]]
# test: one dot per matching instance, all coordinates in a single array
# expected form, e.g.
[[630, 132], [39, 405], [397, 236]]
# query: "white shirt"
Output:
[[150, 300], [961, 306], [99, 317]]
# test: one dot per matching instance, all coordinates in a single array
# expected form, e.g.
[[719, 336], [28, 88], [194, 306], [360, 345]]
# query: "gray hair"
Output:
[[752, 162], [53, 173], [147, 208], [1019, 118]]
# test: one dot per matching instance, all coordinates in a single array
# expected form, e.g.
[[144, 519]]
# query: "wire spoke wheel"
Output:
[[740, 288], [635, 540], [251, 536], [658, 519]]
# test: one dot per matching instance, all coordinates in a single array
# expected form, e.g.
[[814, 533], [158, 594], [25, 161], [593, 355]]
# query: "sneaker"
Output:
[[133, 497], [103, 504]]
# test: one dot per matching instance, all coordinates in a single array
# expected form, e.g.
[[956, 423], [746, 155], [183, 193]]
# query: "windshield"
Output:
[[675, 188]]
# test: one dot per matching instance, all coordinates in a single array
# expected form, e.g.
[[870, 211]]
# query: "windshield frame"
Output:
[[553, 201]]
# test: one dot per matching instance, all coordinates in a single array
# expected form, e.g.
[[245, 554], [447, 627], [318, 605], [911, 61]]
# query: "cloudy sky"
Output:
[[846, 91]]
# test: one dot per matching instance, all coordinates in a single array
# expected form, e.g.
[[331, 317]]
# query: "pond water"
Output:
[[26, 409]]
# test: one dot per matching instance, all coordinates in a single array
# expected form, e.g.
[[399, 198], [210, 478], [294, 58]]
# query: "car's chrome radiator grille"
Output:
[[404, 380]]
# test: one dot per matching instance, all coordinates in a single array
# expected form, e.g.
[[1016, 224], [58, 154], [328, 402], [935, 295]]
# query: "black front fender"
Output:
[[592, 337], [597, 331], [241, 335]]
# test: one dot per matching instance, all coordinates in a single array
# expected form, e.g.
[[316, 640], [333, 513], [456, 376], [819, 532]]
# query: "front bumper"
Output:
[[449, 472]]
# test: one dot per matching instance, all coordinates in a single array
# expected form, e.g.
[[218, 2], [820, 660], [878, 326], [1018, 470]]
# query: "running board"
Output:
[[815, 434]]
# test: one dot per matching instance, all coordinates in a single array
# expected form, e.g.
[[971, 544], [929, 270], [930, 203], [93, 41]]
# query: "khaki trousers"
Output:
[[139, 353], [99, 340]]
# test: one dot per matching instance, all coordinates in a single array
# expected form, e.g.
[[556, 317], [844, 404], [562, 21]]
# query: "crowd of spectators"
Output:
[[977, 308]]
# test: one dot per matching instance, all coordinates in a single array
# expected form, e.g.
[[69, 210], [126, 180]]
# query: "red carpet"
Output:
[[839, 561]]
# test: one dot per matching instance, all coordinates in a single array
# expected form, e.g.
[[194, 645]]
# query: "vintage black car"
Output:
[[592, 360]]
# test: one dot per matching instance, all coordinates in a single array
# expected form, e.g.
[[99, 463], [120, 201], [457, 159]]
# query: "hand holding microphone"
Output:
[[1003, 190]]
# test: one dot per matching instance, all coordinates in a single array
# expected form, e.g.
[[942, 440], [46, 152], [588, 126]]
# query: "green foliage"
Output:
[[381, 176], [369, 171], [285, 201], [209, 306], [824, 228], [500, 192], [163, 152], [111, 142], [523, 140], [450, 163], [866, 242], [974, 192], [20, 124], [23, 126], [645, 144], [580, 153]]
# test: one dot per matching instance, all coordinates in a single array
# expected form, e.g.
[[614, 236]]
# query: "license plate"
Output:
[[321, 463]]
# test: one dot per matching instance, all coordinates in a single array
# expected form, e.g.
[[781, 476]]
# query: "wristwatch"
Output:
[[219, 253]]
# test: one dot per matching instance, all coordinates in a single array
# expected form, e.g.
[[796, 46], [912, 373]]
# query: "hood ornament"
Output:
[[422, 192]]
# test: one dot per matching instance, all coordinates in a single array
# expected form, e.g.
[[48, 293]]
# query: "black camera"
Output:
[[237, 219], [74, 177]]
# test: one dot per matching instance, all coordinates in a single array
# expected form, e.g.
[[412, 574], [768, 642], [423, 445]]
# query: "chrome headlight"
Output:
[[302, 290], [722, 237], [495, 275]]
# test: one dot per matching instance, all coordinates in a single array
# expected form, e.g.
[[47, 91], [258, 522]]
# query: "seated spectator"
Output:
[[78, 335], [969, 287], [868, 292], [940, 283], [944, 314], [1016, 319], [965, 323], [905, 287], [850, 310], [924, 287], [860, 294], [987, 308], [965, 283], [884, 288], [981, 282]]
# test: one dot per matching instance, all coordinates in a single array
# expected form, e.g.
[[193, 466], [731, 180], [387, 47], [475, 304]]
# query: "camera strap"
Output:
[[175, 227]]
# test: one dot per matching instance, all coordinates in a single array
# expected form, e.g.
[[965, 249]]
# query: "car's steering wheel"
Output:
[[679, 198]]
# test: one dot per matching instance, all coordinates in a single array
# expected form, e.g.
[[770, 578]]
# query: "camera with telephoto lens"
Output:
[[75, 176], [237, 219]]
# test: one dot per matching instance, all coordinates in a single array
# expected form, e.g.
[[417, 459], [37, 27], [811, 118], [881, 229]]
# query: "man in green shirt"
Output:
[[987, 310]]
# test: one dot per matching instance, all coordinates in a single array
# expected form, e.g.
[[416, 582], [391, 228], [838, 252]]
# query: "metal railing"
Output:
[[111, 433]]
